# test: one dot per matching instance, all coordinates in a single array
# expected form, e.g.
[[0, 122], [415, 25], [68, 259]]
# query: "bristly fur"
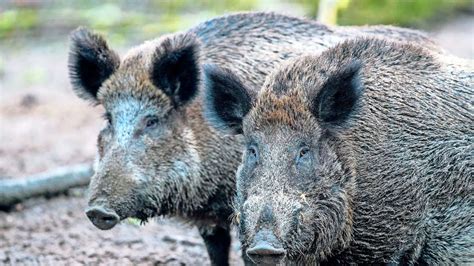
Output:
[[91, 62], [391, 183], [157, 156]]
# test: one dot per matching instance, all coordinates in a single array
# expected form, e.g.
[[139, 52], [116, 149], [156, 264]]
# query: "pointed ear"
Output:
[[175, 68], [226, 99], [338, 96], [91, 62]]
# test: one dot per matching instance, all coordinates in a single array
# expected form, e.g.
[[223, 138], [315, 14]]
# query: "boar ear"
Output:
[[175, 68], [339, 95], [91, 62], [226, 99]]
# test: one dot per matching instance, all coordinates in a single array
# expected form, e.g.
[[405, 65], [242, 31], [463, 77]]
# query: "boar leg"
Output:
[[217, 240]]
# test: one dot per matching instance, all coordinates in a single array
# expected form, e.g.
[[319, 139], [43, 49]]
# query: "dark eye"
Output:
[[151, 122], [252, 153], [304, 155], [303, 152]]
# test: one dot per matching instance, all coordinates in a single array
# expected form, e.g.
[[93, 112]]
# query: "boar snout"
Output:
[[102, 218], [266, 248]]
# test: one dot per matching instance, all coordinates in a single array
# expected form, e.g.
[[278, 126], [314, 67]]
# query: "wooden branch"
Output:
[[13, 191]]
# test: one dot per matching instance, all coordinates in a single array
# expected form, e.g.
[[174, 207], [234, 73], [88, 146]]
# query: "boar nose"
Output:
[[266, 249], [102, 218]]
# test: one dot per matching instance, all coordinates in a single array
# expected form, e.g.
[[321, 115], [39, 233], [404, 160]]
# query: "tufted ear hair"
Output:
[[339, 95], [226, 99], [175, 68], [91, 62]]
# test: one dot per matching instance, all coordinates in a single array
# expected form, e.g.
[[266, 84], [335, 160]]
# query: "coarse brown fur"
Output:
[[385, 173], [157, 156]]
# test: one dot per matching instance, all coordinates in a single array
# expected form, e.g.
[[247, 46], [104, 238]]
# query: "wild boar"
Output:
[[360, 155], [157, 156]]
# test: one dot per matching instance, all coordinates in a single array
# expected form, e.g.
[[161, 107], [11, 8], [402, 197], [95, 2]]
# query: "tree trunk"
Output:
[[13, 191]]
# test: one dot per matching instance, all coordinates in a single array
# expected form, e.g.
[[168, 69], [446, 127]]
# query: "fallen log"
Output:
[[13, 191]]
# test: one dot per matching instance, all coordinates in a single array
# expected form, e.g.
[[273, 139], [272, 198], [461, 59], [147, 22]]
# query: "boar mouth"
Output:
[[144, 214]]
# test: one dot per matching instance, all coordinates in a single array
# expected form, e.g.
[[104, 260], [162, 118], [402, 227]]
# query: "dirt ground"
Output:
[[56, 232], [43, 126]]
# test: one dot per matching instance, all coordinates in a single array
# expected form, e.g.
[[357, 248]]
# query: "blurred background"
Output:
[[44, 126]]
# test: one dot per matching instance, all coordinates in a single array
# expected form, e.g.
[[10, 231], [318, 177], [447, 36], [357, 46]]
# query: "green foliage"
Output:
[[133, 221], [209, 5], [121, 20], [17, 20], [310, 6], [133, 21], [396, 12]]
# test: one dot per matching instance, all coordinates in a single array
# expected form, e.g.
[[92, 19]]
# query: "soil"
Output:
[[57, 232], [43, 125]]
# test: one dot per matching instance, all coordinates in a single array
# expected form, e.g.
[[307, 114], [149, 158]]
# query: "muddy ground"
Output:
[[44, 126]]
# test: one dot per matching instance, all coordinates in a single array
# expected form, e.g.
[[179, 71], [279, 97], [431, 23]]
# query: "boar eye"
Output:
[[151, 122], [303, 155], [252, 153], [304, 152]]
